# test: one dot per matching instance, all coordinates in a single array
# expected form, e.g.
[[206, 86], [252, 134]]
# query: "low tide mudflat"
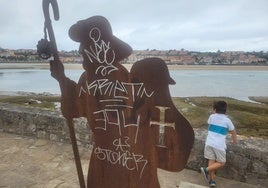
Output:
[[249, 118]]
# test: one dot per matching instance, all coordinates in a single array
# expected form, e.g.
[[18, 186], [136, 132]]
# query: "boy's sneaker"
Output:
[[212, 183], [205, 173]]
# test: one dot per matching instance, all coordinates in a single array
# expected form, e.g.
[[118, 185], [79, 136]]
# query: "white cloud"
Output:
[[206, 25]]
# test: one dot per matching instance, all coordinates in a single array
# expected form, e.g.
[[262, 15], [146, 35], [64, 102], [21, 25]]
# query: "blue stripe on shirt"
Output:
[[217, 129]]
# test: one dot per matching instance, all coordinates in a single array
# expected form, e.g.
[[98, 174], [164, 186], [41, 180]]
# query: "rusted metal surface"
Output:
[[46, 49], [136, 127]]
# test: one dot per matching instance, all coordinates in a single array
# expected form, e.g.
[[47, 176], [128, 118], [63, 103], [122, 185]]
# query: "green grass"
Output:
[[40, 101], [250, 119]]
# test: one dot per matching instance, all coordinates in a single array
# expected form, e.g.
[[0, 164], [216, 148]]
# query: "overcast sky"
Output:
[[195, 25]]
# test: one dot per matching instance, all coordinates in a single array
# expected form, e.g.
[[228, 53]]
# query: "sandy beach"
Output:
[[128, 66], [217, 67]]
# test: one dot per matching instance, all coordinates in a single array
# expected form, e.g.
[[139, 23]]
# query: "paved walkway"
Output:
[[34, 163]]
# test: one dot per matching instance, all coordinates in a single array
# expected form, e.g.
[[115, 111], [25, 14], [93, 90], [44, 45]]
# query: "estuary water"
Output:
[[238, 84]]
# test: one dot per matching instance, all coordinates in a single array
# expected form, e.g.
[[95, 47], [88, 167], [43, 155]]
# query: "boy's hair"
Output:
[[220, 107]]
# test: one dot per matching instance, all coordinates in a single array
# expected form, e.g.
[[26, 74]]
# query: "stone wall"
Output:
[[246, 162], [41, 123]]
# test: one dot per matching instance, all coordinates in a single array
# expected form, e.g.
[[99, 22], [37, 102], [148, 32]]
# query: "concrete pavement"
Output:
[[33, 163]]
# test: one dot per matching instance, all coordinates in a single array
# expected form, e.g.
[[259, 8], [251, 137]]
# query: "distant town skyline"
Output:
[[194, 25], [171, 57]]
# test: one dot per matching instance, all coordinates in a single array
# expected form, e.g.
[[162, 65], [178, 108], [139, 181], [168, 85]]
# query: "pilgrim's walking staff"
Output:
[[46, 49]]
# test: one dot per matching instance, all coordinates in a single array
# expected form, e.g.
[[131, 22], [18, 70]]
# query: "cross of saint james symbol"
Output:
[[162, 124]]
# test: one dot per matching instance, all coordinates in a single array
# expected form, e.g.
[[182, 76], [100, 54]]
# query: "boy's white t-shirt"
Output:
[[219, 125]]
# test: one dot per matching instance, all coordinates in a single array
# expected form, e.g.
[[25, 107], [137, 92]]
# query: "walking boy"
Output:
[[215, 147]]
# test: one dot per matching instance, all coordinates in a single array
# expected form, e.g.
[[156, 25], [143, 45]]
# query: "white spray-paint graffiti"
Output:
[[103, 116], [118, 93], [100, 52], [115, 89], [116, 99], [122, 156]]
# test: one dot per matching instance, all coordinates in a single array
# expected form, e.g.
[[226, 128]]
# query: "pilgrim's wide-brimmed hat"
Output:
[[99, 28]]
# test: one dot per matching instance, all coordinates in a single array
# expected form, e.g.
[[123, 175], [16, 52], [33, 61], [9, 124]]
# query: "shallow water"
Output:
[[235, 84]]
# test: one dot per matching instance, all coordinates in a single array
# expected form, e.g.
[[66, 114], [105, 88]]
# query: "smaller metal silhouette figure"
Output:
[[174, 143]]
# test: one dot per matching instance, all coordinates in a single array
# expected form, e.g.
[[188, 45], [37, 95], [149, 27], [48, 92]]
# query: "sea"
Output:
[[238, 84]]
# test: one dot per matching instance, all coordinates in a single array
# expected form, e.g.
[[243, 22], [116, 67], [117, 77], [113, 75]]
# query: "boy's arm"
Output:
[[234, 136]]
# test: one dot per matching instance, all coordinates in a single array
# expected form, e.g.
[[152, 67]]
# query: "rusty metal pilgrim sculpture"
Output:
[[136, 127]]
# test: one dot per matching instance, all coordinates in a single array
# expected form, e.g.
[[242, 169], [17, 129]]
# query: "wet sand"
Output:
[[128, 66]]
